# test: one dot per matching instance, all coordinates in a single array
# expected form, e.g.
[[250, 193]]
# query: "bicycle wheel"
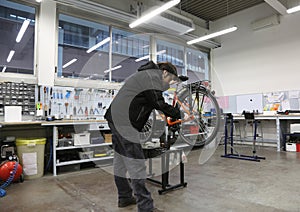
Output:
[[204, 126], [153, 128]]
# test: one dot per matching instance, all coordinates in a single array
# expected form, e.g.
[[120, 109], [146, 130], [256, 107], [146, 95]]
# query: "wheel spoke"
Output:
[[202, 129]]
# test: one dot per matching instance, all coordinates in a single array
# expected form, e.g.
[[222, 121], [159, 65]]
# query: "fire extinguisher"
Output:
[[10, 171]]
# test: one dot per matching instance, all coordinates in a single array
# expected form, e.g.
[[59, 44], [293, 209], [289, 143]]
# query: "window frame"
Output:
[[26, 78], [91, 16]]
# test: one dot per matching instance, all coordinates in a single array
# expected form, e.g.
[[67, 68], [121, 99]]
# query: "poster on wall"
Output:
[[275, 101]]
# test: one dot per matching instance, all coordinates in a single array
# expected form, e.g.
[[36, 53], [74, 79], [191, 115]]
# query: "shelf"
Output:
[[100, 129], [83, 146], [83, 161], [73, 122]]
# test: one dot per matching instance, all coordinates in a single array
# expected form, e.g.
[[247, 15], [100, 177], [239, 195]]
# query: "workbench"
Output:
[[280, 124]]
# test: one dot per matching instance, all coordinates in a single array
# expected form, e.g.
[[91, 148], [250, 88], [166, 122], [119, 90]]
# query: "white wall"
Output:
[[257, 61]]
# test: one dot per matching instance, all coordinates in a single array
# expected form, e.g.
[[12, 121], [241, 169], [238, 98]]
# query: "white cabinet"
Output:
[[65, 153]]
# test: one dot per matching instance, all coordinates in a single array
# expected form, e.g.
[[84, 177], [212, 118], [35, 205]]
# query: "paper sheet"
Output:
[[30, 163]]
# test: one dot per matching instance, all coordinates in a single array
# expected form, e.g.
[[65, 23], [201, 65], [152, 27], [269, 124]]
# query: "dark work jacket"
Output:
[[141, 93]]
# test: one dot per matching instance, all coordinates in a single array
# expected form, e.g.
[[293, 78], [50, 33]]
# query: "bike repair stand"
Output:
[[254, 157], [164, 154]]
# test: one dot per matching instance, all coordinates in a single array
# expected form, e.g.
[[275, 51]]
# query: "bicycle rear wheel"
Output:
[[154, 127], [204, 126]]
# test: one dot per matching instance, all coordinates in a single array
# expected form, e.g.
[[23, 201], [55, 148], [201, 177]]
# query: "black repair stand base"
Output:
[[244, 157], [165, 159], [254, 157]]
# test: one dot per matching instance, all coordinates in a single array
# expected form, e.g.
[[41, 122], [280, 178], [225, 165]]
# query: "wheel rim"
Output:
[[204, 127]]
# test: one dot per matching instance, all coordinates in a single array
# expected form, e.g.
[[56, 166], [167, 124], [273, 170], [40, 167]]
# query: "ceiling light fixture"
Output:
[[293, 9], [147, 56], [114, 68], [22, 30], [10, 55], [215, 34], [3, 69], [98, 45], [38, 1], [69, 63], [153, 13]]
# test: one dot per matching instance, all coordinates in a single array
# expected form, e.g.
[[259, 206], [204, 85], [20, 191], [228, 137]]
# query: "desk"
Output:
[[279, 119], [31, 128]]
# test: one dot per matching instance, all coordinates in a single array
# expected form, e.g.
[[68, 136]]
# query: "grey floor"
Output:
[[218, 185]]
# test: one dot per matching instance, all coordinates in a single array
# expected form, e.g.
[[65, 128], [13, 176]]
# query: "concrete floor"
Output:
[[219, 185]]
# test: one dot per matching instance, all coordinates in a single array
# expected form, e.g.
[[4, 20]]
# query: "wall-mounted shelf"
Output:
[[83, 161], [82, 146]]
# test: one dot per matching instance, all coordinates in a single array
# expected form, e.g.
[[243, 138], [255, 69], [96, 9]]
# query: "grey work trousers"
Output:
[[129, 158]]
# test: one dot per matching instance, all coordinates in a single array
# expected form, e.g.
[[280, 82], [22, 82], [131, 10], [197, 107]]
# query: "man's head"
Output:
[[169, 73]]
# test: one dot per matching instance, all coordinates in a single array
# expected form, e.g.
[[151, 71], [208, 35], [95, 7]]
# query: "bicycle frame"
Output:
[[197, 128], [186, 110]]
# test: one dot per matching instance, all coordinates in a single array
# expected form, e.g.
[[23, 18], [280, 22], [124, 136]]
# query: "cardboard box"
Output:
[[108, 138]]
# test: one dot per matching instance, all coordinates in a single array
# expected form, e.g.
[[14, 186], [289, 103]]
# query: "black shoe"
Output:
[[127, 202]]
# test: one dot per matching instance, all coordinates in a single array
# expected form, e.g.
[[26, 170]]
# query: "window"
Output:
[[129, 52], [197, 65], [17, 23], [170, 52], [82, 48]]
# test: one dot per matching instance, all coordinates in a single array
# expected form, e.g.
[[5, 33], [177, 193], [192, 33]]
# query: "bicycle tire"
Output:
[[153, 128], [201, 137], [147, 131]]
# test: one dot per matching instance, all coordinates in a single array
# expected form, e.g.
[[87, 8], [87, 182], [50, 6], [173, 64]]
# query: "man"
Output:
[[126, 116]]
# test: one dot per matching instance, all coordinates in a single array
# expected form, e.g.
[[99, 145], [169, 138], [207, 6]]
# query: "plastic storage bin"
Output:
[[31, 155], [82, 139]]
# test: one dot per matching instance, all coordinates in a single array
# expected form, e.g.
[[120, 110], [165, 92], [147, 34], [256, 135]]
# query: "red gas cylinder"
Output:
[[7, 167]]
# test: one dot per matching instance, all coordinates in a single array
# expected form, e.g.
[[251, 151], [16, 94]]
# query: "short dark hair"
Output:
[[169, 67]]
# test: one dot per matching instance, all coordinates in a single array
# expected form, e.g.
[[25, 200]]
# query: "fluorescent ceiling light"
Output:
[[147, 56], [3, 69], [142, 58], [38, 1], [10, 55], [98, 45], [114, 68], [293, 9], [206, 37], [70, 62], [22, 30], [161, 52], [153, 13]]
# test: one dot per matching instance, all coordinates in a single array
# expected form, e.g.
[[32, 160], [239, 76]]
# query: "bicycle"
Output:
[[204, 116]]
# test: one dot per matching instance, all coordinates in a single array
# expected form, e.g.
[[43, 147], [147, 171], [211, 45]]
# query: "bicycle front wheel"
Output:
[[203, 106]]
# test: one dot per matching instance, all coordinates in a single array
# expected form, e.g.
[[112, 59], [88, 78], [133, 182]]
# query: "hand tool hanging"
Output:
[[66, 105], [50, 102], [45, 101], [39, 107]]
